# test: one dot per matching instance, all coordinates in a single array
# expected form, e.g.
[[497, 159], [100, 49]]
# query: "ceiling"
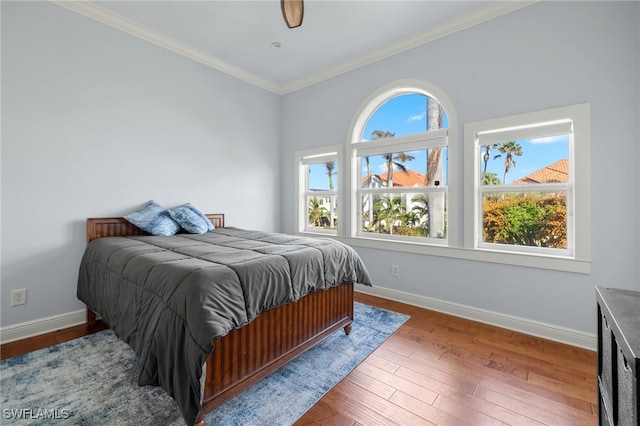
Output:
[[238, 37]]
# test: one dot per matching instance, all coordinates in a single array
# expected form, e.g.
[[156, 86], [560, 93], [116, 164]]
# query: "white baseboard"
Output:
[[23, 330], [534, 328]]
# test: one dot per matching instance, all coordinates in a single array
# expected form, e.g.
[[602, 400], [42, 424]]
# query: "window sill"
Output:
[[479, 255]]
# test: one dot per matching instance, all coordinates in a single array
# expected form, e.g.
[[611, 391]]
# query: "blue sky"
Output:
[[536, 154], [406, 114]]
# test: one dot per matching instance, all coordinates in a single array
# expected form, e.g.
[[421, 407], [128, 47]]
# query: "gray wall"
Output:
[[547, 55], [96, 122]]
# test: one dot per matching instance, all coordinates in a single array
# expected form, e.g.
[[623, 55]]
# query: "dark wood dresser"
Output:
[[618, 356]]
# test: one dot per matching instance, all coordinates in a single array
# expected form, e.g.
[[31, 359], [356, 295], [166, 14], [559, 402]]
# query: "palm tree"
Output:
[[330, 165], [487, 154], [411, 218], [421, 209], [510, 149], [366, 159], [489, 178], [379, 134], [317, 211], [434, 167], [420, 204], [392, 161], [389, 210], [434, 122], [437, 200]]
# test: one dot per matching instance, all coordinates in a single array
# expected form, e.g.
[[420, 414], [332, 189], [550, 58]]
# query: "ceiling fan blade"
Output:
[[292, 12]]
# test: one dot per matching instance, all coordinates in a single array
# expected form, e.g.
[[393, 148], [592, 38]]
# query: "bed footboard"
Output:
[[248, 354]]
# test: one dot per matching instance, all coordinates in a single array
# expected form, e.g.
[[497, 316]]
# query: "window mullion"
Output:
[[403, 190], [385, 146]]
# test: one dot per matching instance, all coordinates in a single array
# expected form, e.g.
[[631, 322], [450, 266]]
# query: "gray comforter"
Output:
[[169, 298]]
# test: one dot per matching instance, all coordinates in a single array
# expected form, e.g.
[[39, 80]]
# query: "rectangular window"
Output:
[[402, 187], [528, 194], [318, 183]]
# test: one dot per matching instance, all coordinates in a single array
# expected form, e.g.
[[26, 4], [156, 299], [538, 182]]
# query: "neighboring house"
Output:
[[556, 172], [400, 178], [331, 206]]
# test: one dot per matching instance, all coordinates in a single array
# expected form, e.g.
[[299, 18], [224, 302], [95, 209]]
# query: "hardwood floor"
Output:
[[443, 370], [31, 344]]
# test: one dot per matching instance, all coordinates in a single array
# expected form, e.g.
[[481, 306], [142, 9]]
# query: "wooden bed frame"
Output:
[[248, 354]]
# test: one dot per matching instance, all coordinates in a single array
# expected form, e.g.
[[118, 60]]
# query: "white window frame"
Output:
[[573, 120], [461, 215], [418, 141], [414, 142], [302, 160]]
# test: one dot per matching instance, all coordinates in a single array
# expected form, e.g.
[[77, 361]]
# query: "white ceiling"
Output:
[[236, 36]]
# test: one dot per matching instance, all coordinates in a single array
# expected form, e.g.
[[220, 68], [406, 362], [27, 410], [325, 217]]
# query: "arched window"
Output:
[[400, 166], [407, 185]]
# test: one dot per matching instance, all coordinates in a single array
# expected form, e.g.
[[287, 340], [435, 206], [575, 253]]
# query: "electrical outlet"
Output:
[[19, 297], [395, 270]]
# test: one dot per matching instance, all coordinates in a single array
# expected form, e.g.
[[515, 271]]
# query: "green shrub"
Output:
[[531, 220]]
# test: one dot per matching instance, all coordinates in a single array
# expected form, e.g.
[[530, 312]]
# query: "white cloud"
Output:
[[418, 117]]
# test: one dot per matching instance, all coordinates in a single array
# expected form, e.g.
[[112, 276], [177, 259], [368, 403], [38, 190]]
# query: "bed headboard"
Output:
[[118, 226]]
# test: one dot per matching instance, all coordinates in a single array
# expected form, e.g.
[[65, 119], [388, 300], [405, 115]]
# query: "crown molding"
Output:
[[105, 16], [490, 11]]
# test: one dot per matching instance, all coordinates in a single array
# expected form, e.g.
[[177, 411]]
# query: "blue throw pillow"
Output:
[[191, 219], [154, 219]]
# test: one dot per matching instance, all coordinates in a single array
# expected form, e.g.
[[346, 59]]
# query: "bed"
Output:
[[174, 336]]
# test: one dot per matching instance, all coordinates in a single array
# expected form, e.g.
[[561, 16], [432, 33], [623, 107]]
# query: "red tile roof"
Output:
[[401, 178], [556, 172]]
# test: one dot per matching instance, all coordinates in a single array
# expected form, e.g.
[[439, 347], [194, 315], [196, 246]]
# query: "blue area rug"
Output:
[[92, 381]]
